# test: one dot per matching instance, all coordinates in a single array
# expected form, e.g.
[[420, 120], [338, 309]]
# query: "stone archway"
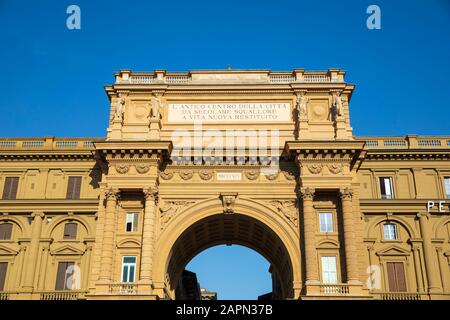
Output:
[[251, 225]]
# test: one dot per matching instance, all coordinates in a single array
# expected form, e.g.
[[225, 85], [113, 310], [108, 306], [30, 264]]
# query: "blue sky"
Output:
[[52, 78]]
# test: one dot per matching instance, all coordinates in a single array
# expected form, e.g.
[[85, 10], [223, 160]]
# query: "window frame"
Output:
[[396, 235], [134, 221], [331, 222], [128, 264], [15, 182], [328, 271], [68, 264], [76, 191], [447, 190], [391, 185]]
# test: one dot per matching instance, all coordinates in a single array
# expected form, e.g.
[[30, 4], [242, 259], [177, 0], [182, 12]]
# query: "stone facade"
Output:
[[337, 216]]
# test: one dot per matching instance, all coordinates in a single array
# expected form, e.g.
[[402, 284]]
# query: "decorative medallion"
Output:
[[252, 174], [170, 209], [166, 175], [272, 176], [186, 174], [289, 175], [315, 168], [142, 168], [205, 175], [335, 168], [122, 168]]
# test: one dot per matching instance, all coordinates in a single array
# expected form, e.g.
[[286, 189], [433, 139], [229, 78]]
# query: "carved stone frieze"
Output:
[[287, 208], [170, 209]]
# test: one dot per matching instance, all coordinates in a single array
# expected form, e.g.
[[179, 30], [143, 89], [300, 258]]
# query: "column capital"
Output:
[[112, 193], [150, 193], [307, 193], [40, 214], [423, 215], [346, 193]]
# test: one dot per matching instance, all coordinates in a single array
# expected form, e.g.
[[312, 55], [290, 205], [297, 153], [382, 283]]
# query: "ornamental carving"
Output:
[[287, 208], [205, 175], [122, 168], [166, 175], [307, 193], [346, 194], [142, 168], [151, 194], [111, 194], [289, 175], [170, 209], [252, 174], [335, 168], [186, 174], [315, 168], [228, 201], [272, 176]]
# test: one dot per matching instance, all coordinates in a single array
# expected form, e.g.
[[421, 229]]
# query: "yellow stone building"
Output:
[[191, 160]]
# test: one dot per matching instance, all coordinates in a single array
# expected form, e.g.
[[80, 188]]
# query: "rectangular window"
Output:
[[64, 277], [10, 188], [390, 231], [132, 222], [329, 270], [70, 231], [128, 269], [396, 277], [3, 267], [326, 222], [5, 231], [387, 191], [73, 188], [447, 187]]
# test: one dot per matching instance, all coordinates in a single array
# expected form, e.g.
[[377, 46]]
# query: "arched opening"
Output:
[[231, 273], [232, 229]]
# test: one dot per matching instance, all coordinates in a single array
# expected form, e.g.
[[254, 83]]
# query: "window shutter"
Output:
[[70, 188], [70, 230], [391, 277], [61, 276], [5, 231], [77, 188], [3, 267], [135, 221], [10, 187], [400, 275]]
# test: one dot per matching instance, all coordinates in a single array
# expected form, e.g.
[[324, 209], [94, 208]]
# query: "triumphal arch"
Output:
[[263, 159]]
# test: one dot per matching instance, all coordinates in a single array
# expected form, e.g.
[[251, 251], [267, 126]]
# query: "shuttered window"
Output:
[[64, 277], [5, 231], [10, 188], [396, 277], [73, 188], [70, 230], [3, 267]]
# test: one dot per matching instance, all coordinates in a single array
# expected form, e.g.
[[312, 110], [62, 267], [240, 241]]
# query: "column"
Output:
[[312, 274], [442, 268], [33, 251], [430, 263], [108, 235], [418, 268], [351, 257], [148, 235]]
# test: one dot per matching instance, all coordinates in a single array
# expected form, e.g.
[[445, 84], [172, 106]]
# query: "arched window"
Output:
[[5, 231], [70, 231], [390, 231]]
